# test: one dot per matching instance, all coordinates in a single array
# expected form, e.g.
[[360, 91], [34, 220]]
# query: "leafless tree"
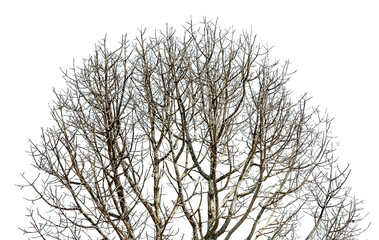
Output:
[[192, 137]]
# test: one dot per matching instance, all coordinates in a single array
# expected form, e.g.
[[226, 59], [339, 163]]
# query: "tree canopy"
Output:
[[190, 137]]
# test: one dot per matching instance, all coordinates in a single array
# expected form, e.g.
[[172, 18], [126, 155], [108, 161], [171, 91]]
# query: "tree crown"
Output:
[[192, 137]]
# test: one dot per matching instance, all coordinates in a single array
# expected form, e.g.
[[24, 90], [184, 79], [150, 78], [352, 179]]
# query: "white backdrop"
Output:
[[333, 45]]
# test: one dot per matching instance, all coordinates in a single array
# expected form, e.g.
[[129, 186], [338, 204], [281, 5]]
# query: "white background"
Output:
[[333, 45]]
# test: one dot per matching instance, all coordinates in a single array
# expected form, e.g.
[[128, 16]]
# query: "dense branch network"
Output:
[[187, 138]]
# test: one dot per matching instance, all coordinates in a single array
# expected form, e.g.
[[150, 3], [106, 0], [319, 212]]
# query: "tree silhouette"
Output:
[[192, 137]]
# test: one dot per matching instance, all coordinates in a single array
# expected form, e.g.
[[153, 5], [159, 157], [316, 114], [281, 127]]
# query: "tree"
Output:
[[188, 138]]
